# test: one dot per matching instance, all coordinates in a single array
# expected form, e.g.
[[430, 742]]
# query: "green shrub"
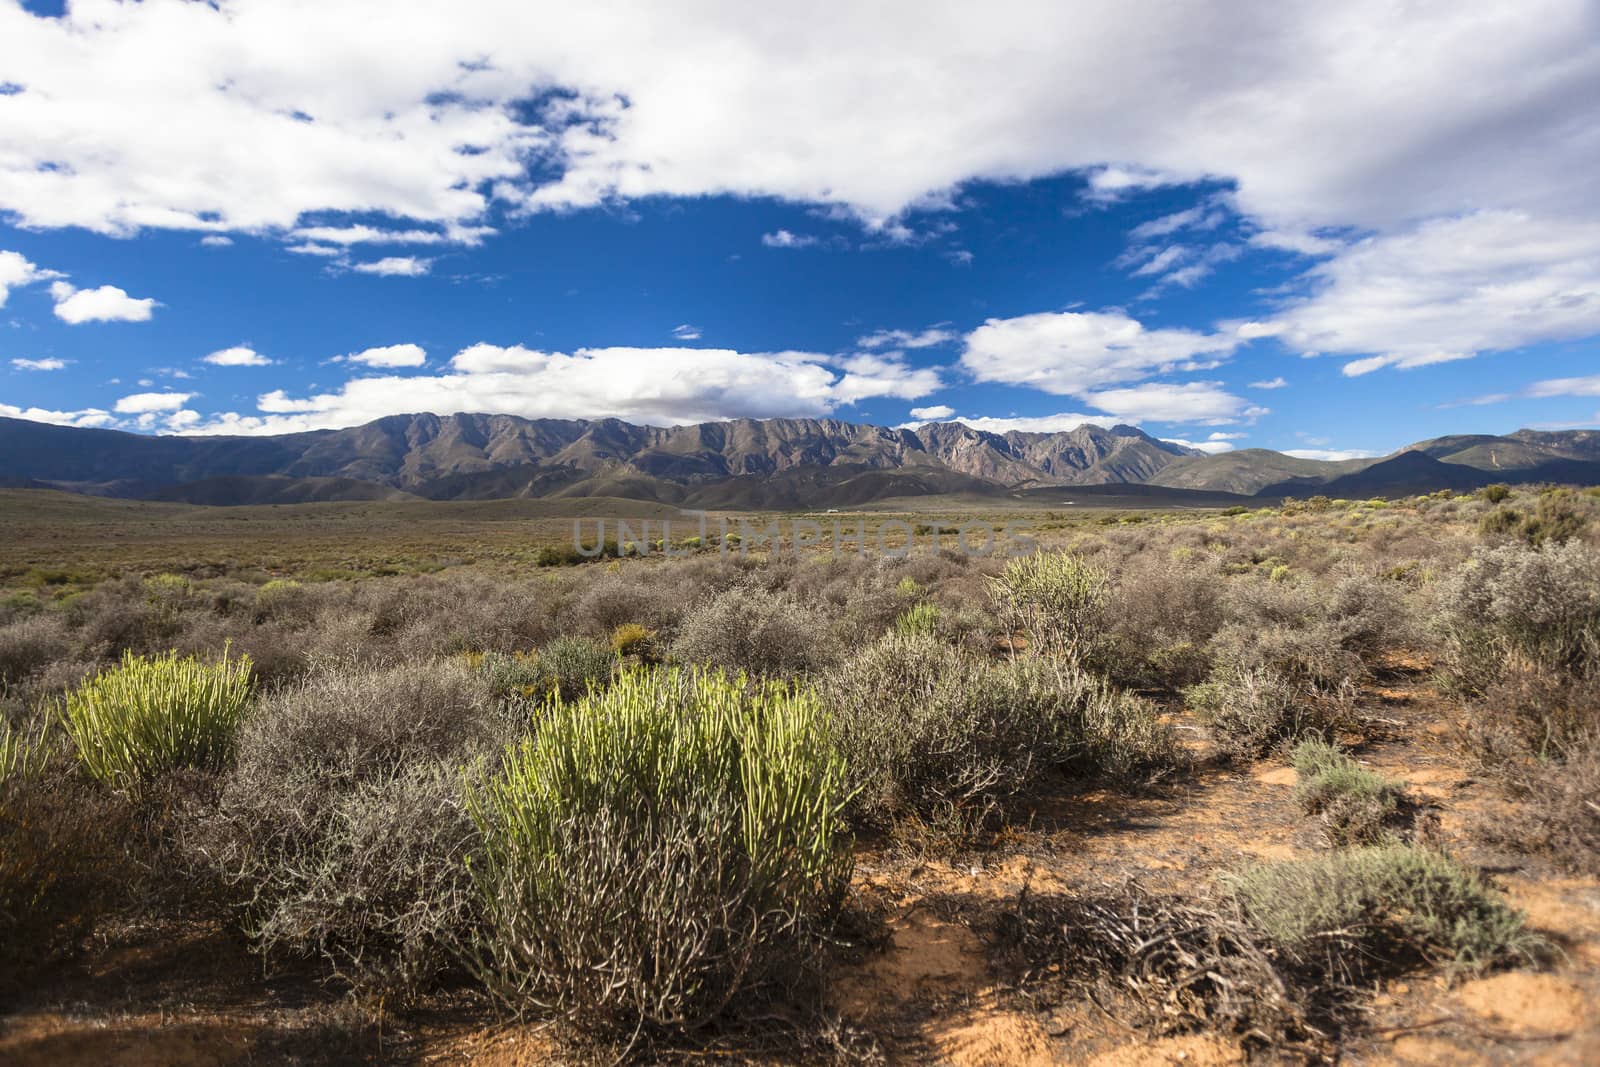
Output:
[[930, 731], [1057, 599], [1355, 804], [631, 639], [571, 665], [922, 618], [1390, 903], [1251, 711], [1497, 493], [658, 849], [137, 721]]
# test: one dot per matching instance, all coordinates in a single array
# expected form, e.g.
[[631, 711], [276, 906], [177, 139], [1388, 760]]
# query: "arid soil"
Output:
[[923, 988]]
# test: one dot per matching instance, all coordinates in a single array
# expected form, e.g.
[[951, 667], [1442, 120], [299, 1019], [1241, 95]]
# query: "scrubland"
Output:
[[1318, 781]]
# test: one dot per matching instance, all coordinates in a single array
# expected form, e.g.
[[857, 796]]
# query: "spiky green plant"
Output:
[[20, 756], [919, 618], [1056, 598], [148, 716], [657, 847]]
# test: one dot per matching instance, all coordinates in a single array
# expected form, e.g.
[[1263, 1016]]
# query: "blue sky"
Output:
[[263, 217]]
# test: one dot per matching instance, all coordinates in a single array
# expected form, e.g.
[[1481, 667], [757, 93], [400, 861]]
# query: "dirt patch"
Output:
[[992, 1038], [49, 1040], [1188, 1050], [1525, 1004], [1278, 776]]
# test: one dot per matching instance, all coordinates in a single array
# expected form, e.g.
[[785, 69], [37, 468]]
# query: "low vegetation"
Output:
[[629, 796]]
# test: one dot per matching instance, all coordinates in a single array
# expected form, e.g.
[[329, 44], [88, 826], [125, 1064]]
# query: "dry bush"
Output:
[[1251, 711], [1163, 614], [1512, 602], [1558, 814], [1314, 633], [616, 600], [31, 644], [62, 856], [930, 731], [341, 828], [749, 629], [1280, 956]]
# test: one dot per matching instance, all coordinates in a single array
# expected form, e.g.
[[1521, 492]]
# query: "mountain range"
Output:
[[741, 464]]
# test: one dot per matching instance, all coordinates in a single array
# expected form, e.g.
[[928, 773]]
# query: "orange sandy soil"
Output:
[[926, 991]]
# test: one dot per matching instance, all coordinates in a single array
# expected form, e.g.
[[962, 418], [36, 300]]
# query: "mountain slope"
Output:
[[754, 463]]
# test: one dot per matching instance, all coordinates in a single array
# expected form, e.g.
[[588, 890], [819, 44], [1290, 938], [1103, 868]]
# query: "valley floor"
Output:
[[922, 983]]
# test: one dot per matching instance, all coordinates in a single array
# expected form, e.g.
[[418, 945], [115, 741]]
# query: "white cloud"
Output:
[[105, 304], [934, 335], [49, 363], [354, 235], [785, 239], [1203, 402], [1211, 446], [1588, 386], [86, 417], [1071, 352], [871, 374], [1325, 118], [216, 240], [16, 271], [1270, 383], [1062, 423], [686, 332], [660, 386], [148, 403], [1330, 454], [1219, 436], [389, 356], [309, 248], [1450, 289], [936, 413], [1205, 216], [237, 356], [395, 267]]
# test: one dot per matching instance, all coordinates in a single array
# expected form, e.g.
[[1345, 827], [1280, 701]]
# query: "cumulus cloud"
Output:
[[216, 240], [105, 304], [237, 356], [389, 356], [49, 363], [85, 417], [935, 413], [1203, 402], [395, 267], [1324, 118], [1071, 352], [16, 271], [785, 239], [1270, 383], [660, 386], [147, 403], [1450, 289], [1212, 446]]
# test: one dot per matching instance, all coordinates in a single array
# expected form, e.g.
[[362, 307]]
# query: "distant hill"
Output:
[[744, 463]]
